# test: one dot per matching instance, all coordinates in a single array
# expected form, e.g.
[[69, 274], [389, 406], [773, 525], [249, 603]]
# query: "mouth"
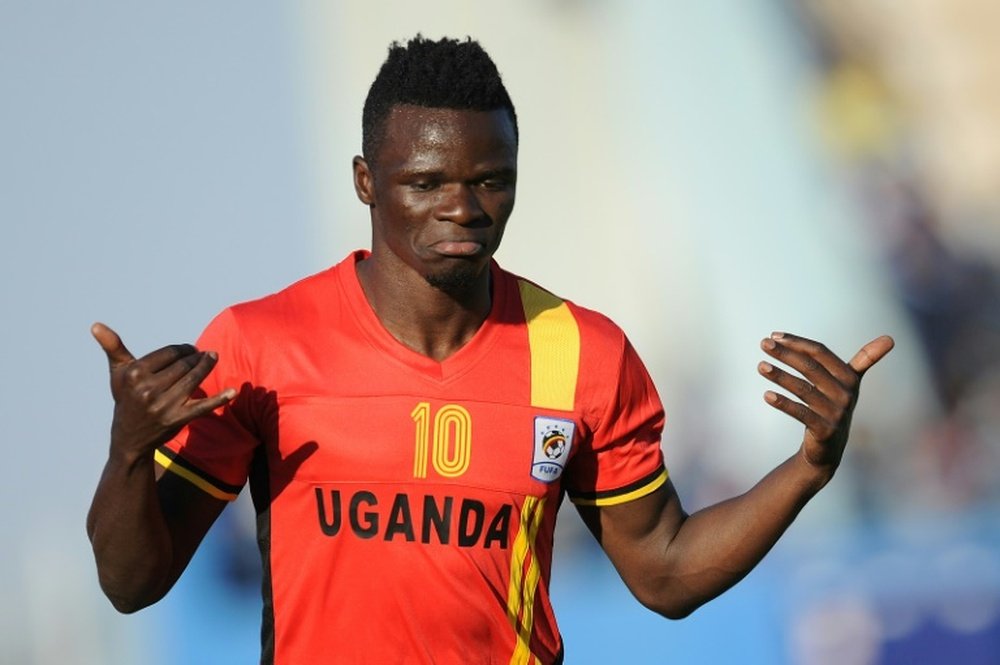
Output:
[[459, 248]]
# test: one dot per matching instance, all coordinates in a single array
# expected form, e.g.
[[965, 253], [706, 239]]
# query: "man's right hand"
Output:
[[153, 394]]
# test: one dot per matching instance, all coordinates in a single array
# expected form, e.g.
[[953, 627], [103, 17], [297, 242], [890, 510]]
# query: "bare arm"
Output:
[[673, 562], [144, 530]]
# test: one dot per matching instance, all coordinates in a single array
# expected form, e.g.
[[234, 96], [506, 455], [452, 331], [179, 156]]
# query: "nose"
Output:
[[459, 205]]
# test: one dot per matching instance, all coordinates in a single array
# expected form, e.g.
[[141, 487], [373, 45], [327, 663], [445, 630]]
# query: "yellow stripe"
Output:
[[192, 478], [523, 653], [648, 488], [521, 593], [517, 555], [554, 340]]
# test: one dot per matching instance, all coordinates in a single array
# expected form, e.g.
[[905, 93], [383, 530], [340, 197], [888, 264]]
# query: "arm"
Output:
[[144, 528], [674, 563]]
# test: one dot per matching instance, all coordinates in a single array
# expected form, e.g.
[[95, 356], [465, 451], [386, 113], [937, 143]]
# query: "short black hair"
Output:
[[448, 73]]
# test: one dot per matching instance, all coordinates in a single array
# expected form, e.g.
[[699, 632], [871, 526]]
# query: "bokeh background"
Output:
[[703, 172]]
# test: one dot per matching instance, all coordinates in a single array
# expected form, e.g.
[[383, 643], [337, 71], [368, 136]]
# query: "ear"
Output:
[[363, 181]]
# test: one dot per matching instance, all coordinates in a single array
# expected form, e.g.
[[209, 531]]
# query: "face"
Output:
[[440, 191]]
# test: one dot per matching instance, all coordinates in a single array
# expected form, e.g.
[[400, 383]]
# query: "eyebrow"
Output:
[[432, 173], [419, 173], [505, 172]]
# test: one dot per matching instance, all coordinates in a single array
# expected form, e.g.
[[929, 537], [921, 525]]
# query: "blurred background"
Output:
[[704, 173]]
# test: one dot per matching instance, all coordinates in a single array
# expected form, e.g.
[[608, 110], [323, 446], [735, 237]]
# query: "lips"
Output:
[[458, 248]]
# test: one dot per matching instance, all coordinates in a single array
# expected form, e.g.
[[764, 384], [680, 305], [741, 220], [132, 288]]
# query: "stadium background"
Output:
[[702, 172]]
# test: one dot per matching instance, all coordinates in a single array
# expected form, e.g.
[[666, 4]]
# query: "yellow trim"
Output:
[[517, 556], [528, 595], [452, 424], [421, 416], [648, 488], [523, 585], [554, 340], [193, 478]]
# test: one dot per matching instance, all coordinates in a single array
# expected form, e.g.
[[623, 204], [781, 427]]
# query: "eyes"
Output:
[[489, 184], [496, 184], [423, 185]]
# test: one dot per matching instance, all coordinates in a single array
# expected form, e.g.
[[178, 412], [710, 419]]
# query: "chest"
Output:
[[348, 411], [414, 439]]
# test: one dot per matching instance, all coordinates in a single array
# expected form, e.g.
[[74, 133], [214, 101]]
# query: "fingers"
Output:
[[186, 359], [820, 427], [871, 353], [112, 344], [163, 358], [829, 386], [812, 359], [804, 390], [171, 388], [181, 410], [119, 355], [806, 355], [162, 380], [164, 401], [201, 407], [823, 407], [183, 377]]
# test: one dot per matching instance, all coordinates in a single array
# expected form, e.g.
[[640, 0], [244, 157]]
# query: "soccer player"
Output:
[[410, 419]]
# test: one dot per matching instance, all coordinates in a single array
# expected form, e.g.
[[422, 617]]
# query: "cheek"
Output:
[[411, 207], [504, 207], [400, 216]]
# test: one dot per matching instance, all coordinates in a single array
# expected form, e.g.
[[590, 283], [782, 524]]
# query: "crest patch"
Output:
[[553, 443]]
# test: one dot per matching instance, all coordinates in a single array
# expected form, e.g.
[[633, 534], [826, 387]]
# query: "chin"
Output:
[[457, 280]]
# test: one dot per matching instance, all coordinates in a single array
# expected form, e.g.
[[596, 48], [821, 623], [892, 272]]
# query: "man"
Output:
[[409, 420]]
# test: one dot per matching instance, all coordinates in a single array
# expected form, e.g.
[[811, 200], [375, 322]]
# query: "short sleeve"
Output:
[[621, 460], [214, 452]]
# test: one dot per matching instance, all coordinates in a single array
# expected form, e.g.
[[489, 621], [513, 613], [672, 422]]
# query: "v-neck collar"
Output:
[[451, 367]]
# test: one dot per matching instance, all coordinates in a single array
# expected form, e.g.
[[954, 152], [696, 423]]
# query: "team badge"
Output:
[[553, 442]]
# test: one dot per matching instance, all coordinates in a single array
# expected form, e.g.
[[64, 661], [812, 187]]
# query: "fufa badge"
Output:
[[553, 442]]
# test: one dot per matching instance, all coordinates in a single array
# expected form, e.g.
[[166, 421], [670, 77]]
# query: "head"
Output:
[[440, 162], [446, 74]]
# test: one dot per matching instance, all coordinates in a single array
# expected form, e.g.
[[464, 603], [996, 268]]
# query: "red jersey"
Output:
[[407, 506]]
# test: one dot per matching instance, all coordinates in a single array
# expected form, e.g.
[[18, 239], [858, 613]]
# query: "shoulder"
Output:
[[296, 308], [293, 295], [586, 344], [300, 300], [597, 332]]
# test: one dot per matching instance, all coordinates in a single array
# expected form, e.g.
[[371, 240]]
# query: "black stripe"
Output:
[[608, 494], [260, 491], [188, 466]]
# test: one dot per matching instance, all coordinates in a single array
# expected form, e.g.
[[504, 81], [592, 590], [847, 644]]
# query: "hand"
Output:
[[153, 395], [829, 390]]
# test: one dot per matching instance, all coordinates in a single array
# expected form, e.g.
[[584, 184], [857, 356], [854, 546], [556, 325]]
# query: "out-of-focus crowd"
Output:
[[908, 93], [908, 96]]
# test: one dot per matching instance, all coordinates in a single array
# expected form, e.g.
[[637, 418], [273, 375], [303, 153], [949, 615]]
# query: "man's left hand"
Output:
[[828, 390]]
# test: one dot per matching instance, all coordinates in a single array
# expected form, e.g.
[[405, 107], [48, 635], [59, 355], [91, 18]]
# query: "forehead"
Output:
[[417, 134]]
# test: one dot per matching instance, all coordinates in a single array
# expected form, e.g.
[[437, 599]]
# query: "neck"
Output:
[[431, 321]]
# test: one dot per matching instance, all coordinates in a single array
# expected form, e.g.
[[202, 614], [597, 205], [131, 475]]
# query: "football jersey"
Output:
[[406, 506]]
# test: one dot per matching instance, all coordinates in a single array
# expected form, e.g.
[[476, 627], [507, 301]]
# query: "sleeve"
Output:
[[621, 460], [214, 452]]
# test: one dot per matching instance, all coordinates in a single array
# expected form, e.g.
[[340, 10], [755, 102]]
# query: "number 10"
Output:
[[450, 440]]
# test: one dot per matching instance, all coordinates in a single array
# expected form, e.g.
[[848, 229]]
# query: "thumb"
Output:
[[871, 353], [112, 344]]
